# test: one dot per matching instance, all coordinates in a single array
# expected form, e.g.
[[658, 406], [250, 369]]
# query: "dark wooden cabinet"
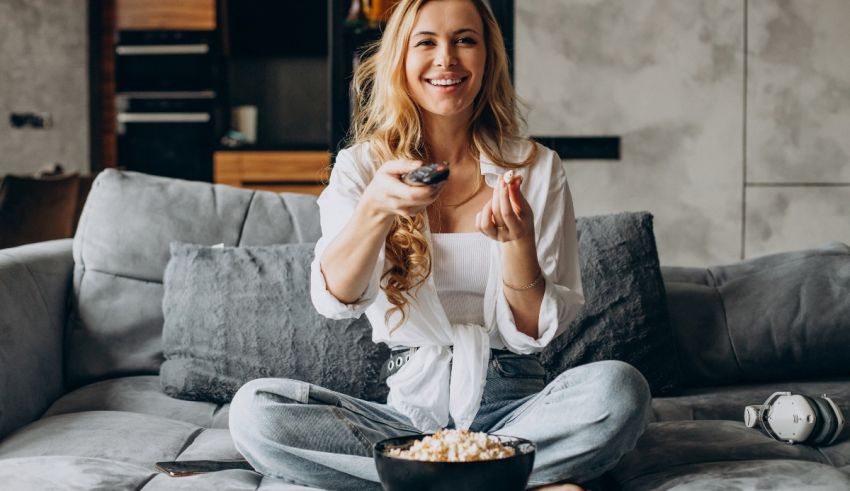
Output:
[[174, 15], [296, 171]]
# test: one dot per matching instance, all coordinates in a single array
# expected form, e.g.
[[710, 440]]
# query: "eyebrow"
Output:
[[459, 31]]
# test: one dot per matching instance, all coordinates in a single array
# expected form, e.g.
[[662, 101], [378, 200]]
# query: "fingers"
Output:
[[508, 216], [496, 204], [518, 202], [399, 167], [410, 200], [484, 222]]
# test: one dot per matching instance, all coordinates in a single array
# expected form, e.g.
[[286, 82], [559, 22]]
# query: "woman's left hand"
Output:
[[508, 216]]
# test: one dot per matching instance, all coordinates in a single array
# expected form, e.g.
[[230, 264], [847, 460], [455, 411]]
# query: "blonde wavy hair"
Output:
[[386, 117]]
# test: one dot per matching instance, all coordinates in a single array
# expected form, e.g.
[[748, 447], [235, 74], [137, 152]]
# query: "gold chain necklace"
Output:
[[439, 202], [465, 200]]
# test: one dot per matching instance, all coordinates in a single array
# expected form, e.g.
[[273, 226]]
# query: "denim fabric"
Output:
[[582, 422]]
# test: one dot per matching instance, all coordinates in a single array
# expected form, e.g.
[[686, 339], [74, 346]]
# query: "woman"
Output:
[[464, 279]]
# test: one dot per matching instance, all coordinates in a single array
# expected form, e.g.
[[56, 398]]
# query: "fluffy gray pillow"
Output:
[[625, 315], [234, 314]]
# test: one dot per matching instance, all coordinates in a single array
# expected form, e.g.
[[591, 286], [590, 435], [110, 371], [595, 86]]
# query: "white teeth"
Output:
[[446, 82]]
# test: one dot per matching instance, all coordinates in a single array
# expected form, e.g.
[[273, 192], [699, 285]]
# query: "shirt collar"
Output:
[[488, 167]]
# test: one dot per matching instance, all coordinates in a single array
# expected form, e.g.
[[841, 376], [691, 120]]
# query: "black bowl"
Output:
[[508, 474]]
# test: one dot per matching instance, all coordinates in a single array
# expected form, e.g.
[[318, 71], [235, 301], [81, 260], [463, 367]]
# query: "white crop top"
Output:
[[460, 264]]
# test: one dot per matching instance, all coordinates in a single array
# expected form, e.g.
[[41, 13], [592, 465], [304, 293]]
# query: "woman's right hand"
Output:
[[388, 196]]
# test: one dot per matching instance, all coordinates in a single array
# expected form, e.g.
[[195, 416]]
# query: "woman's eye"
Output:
[[466, 41], [424, 42]]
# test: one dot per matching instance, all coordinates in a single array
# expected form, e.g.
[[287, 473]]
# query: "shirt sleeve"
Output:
[[557, 253], [337, 203]]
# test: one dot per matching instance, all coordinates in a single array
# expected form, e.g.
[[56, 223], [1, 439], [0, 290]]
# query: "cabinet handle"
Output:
[[163, 117], [164, 49]]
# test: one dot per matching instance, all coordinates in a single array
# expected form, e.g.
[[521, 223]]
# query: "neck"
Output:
[[448, 139]]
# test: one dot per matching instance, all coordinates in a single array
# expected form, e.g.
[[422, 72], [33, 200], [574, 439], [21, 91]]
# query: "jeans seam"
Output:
[[367, 445], [339, 402], [372, 419], [517, 413], [531, 403]]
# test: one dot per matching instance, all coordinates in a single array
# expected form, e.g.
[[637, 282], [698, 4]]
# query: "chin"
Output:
[[442, 112]]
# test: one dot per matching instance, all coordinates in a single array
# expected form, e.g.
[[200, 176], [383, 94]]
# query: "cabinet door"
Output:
[[165, 14], [278, 171]]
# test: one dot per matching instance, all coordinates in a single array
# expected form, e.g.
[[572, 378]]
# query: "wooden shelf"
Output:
[[298, 171], [166, 14]]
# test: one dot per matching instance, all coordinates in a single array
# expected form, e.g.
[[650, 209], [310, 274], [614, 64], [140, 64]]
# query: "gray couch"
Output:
[[80, 399]]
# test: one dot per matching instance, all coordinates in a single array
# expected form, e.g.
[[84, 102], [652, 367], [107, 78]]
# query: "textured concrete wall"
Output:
[[44, 68], [729, 111], [798, 124]]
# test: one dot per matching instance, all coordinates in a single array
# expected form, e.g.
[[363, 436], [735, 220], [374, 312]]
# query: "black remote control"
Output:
[[427, 175]]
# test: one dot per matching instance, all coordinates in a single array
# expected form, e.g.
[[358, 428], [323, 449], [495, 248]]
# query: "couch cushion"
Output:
[[674, 444], [233, 314], [132, 438], [776, 317], [141, 394], [34, 286], [84, 473], [728, 402], [117, 450], [71, 472], [232, 480], [122, 246], [625, 314], [764, 475]]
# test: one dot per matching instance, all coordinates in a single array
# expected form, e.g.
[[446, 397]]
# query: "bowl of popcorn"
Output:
[[455, 460]]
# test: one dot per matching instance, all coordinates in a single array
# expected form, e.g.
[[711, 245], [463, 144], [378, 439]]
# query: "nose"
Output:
[[445, 56]]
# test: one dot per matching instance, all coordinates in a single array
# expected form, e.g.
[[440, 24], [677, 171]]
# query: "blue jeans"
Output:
[[582, 422]]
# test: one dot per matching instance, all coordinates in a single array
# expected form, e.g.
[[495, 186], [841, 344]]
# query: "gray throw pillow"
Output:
[[234, 314], [787, 315], [625, 315]]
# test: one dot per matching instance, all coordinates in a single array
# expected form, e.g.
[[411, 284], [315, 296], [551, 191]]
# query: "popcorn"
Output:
[[454, 446]]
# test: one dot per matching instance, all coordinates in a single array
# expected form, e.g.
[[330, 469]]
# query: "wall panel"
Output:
[[798, 99], [665, 75], [789, 218]]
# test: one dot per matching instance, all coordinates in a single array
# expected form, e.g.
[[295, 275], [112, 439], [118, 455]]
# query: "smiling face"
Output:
[[446, 57]]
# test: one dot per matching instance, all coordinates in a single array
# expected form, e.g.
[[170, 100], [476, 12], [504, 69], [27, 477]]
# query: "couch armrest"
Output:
[[34, 283]]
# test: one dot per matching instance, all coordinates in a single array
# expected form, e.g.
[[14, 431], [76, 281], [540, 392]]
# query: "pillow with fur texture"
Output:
[[625, 314], [233, 314]]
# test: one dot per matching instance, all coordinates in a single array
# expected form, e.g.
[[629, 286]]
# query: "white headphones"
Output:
[[794, 418]]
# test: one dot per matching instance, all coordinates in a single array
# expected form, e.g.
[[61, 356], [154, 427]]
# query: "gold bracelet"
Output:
[[528, 286]]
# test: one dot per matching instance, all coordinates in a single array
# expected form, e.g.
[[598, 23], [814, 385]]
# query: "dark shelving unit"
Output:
[[344, 43]]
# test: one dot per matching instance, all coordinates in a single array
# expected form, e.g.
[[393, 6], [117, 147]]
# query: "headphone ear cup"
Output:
[[826, 424]]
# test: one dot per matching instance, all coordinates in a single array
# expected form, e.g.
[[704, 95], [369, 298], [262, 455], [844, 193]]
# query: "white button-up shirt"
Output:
[[438, 381]]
